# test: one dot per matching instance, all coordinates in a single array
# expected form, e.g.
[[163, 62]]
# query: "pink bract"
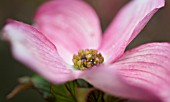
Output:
[[61, 29]]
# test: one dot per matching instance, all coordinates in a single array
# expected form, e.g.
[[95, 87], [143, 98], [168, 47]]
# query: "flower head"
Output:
[[63, 29], [87, 59]]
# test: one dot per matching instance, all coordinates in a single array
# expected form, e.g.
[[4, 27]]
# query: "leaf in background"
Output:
[[75, 91], [109, 98], [95, 96], [83, 84], [43, 87], [36, 82], [65, 92]]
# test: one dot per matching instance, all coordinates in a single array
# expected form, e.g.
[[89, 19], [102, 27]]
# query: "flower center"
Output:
[[87, 58]]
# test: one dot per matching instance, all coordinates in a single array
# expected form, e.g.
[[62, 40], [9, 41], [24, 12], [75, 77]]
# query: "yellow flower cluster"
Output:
[[87, 58]]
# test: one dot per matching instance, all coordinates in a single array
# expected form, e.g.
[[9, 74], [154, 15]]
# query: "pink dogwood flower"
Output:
[[63, 27]]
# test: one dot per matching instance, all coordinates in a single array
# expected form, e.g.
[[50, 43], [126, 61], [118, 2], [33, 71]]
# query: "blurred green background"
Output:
[[158, 29]]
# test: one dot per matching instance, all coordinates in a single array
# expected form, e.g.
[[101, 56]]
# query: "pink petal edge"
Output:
[[147, 67], [141, 73], [107, 79], [33, 49], [69, 27], [127, 24]]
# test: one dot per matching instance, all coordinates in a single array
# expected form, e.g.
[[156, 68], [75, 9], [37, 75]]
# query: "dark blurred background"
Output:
[[158, 29]]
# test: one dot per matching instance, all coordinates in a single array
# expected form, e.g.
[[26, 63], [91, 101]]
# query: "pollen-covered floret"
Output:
[[87, 58]]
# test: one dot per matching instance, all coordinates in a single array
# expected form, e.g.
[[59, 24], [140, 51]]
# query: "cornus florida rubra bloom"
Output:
[[67, 34]]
